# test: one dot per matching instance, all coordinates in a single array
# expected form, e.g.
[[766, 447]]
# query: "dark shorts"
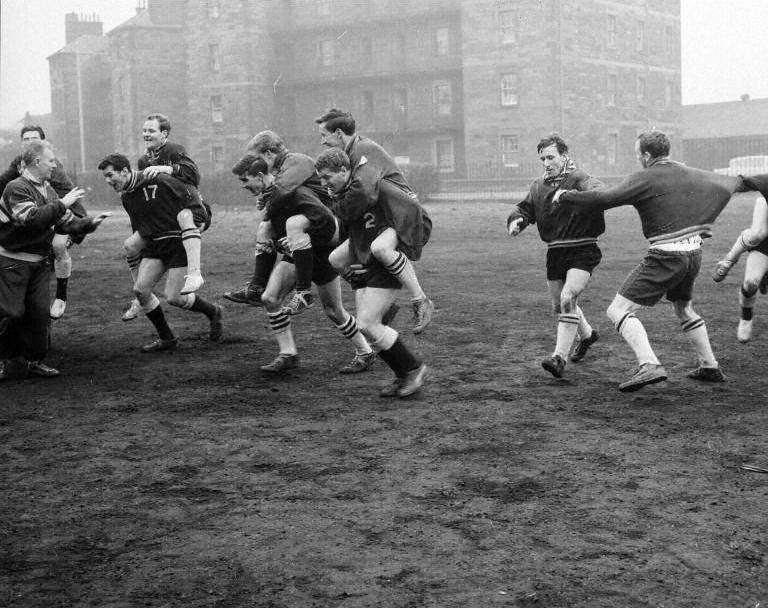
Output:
[[170, 252], [561, 259], [762, 247], [322, 271], [663, 273]]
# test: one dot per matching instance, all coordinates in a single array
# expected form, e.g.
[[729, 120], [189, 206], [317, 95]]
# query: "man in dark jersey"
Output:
[[30, 213], [676, 205], [163, 156], [572, 250], [153, 206], [322, 230], [61, 184], [393, 245], [375, 287]]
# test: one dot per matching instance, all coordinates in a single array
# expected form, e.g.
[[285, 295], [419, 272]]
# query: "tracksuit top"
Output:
[[673, 201], [560, 226]]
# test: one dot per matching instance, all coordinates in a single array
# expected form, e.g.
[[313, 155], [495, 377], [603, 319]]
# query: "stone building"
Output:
[[466, 85]]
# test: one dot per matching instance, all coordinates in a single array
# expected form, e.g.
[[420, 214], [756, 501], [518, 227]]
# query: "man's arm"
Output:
[[19, 203], [626, 193], [181, 166], [10, 174], [362, 193], [295, 170]]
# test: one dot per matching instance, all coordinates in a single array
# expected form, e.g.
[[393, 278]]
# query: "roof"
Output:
[[142, 19], [84, 45], [725, 119]]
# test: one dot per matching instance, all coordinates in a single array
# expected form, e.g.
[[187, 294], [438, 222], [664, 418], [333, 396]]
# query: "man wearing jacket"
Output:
[[572, 250], [677, 205], [30, 213]]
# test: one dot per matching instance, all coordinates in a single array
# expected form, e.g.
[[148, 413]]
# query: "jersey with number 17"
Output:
[[153, 204]]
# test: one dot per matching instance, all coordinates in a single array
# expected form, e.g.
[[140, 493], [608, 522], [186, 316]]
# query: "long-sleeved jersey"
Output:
[[153, 204], [59, 181], [673, 201], [291, 170], [560, 226], [175, 156]]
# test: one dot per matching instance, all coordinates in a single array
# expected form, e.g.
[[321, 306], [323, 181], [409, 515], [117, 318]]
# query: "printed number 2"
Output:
[[370, 221], [147, 195]]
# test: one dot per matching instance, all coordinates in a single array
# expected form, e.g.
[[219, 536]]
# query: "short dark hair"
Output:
[[242, 165], [337, 119], [334, 159], [267, 141], [27, 128], [118, 162], [162, 122], [655, 143], [33, 150], [553, 139]]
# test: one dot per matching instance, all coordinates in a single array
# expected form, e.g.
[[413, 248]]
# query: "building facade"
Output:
[[468, 86]]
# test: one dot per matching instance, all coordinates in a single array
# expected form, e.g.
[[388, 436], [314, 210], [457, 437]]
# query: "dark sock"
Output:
[[304, 260], [161, 325], [265, 262], [203, 306], [399, 358], [61, 289], [746, 314]]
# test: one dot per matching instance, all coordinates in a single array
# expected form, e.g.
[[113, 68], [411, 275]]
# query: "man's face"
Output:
[[330, 139], [253, 183], [116, 179], [552, 161], [152, 135], [333, 181], [44, 164], [30, 136]]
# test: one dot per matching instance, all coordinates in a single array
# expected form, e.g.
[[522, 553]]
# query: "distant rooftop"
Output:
[[726, 119]]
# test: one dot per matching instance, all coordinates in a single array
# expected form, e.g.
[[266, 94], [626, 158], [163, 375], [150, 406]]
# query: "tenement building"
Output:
[[466, 85]]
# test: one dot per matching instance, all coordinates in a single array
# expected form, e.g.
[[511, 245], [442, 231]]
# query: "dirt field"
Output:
[[191, 479]]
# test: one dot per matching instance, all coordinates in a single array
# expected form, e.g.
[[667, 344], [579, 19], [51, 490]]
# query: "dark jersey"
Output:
[[174, 156], [292, 170], [305, 201], [153, 205], [59, 181]]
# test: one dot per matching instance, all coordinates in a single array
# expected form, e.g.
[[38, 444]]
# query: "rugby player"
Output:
[[169, 158], [375, 287], [676, 205], [322, 231], [572, 250], [153, 206], [394, 245]]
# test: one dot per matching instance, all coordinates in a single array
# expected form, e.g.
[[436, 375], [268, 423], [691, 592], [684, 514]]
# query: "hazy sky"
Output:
[[724, 43]]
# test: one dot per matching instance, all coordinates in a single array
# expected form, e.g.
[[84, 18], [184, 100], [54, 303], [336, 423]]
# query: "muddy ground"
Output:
[[192, 479]]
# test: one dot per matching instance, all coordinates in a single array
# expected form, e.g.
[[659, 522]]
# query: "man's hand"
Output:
[[356, 275], [260, 202], [515, 226], [96, 221], [72, 197], [154, 170]]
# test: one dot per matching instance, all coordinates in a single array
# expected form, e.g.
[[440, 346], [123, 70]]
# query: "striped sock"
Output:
[[402, 269], [631, 329], [567, 326], [351, 331], [696, 332]]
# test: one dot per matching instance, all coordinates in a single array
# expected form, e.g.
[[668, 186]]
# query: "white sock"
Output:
[[696, 331], [631, 329]]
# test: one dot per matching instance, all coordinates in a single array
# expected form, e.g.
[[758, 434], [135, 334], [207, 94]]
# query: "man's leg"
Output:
[[302, 252], [621, 312], [14, 278], [192, 241], [34, 326], [695, 329], [62, 265], [133, 247], [384, 249], [409, 369], [193, 302], [330, 297], [149, 272], [756, 267], [746, 241], [265, 258], [279, 285]]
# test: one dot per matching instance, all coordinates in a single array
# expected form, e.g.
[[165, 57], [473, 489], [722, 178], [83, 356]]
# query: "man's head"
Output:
[[38, 159], [333, 169], [31, 133], [155, 131], [651, 146], [553, 154], [252, 171], [336, 128], [267, 145], [116, 170]]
